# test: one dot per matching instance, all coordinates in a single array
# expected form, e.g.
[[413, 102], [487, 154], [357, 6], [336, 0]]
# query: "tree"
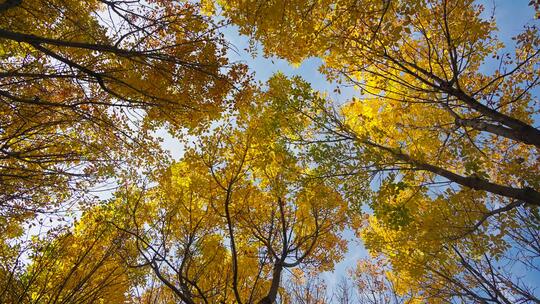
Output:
[[222, 225], [373, 286], [239, 211], [306, 288], [227, 221], [447, 256], [85, 83], [425, 103], [445, 117], [86, 263], [83, 86], [440, 140]]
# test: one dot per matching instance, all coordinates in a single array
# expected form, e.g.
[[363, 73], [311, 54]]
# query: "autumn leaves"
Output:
[[441, 154]]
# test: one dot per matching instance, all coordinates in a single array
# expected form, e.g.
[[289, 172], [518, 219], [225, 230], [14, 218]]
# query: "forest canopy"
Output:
[[425, 177]]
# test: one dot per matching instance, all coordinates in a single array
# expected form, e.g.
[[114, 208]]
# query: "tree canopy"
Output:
[[432, 165]]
